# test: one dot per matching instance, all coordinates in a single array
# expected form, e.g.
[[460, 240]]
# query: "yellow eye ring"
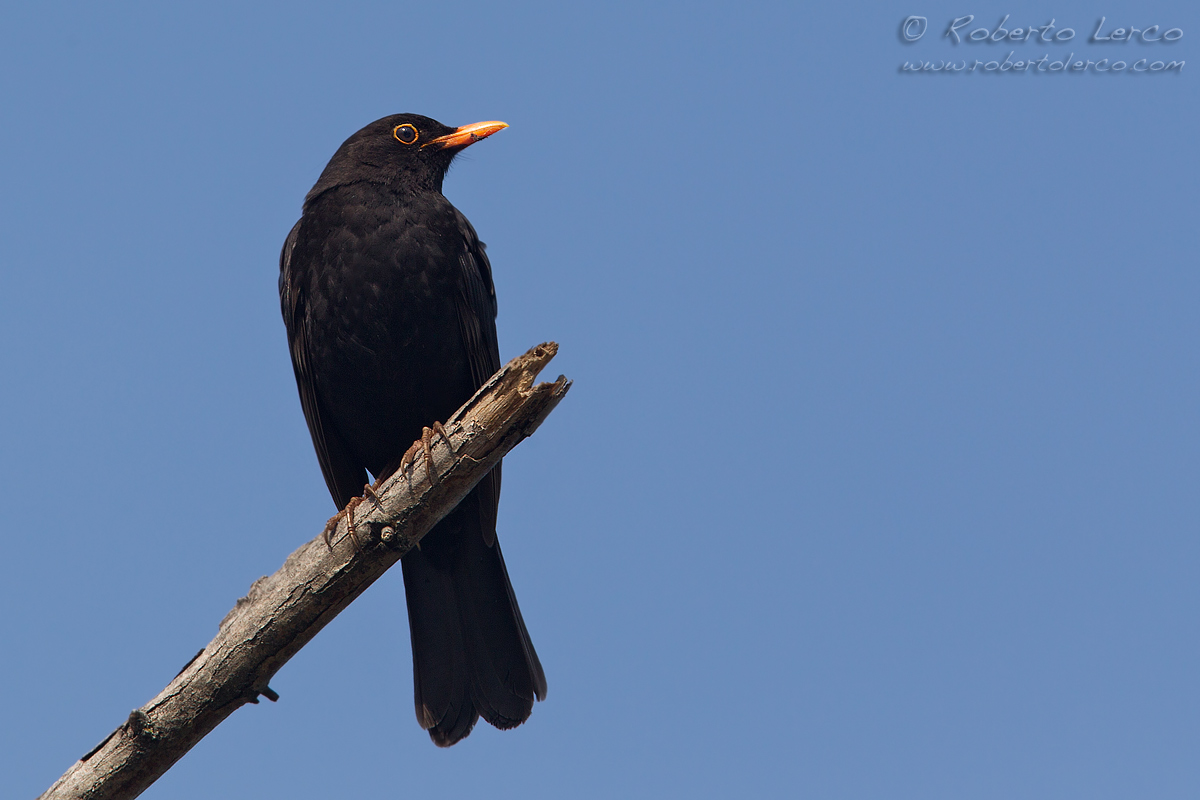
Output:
[[405, 134]]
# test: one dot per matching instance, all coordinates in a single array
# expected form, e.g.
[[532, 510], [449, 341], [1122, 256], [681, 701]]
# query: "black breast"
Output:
[[382, 279]]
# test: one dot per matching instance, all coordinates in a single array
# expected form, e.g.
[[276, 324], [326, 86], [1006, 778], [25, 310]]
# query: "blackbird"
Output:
[[390, 311]]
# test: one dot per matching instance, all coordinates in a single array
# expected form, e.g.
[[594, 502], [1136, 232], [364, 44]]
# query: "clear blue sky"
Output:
[[880, 473]]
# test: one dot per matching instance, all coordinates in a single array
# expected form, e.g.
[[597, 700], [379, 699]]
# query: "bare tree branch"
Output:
[[284, 611]]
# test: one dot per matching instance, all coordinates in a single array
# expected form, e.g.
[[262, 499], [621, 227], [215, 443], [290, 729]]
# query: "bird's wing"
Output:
[[344, 477], [476, 307]]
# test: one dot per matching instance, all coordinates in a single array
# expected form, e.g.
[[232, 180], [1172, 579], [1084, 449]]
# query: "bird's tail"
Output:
[[472, 655]]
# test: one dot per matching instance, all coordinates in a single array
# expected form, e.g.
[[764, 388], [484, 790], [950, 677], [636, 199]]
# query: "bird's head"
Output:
[[410, 149]]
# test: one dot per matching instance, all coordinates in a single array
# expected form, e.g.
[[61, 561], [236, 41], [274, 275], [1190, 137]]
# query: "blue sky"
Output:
[[879, 474]]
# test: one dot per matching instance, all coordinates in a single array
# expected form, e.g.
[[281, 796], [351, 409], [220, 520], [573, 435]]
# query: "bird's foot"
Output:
[[353, 504], [369, 491], [331, 526], [348, 514], [438, 429], [406, 460], [426, 445]]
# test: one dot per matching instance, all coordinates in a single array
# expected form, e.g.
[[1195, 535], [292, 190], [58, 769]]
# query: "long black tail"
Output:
[[472, 655]]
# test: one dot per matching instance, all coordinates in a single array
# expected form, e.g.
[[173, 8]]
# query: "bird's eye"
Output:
[[405, 134]]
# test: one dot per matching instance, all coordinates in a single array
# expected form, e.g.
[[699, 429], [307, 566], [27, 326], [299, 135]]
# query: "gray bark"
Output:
[[284, 611]]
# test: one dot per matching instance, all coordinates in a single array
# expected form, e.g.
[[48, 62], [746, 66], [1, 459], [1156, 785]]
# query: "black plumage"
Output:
[[390, 311]]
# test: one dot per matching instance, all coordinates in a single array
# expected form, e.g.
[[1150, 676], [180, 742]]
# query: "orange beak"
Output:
[[467, 134]]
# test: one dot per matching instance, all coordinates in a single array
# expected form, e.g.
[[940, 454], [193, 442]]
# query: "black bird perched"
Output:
[[391, 319]]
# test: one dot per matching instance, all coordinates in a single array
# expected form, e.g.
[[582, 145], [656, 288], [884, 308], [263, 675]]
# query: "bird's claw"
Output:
[[353, 504], [438, 429], [330, 527], [426, 445], [406, 460], [348, 513]]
